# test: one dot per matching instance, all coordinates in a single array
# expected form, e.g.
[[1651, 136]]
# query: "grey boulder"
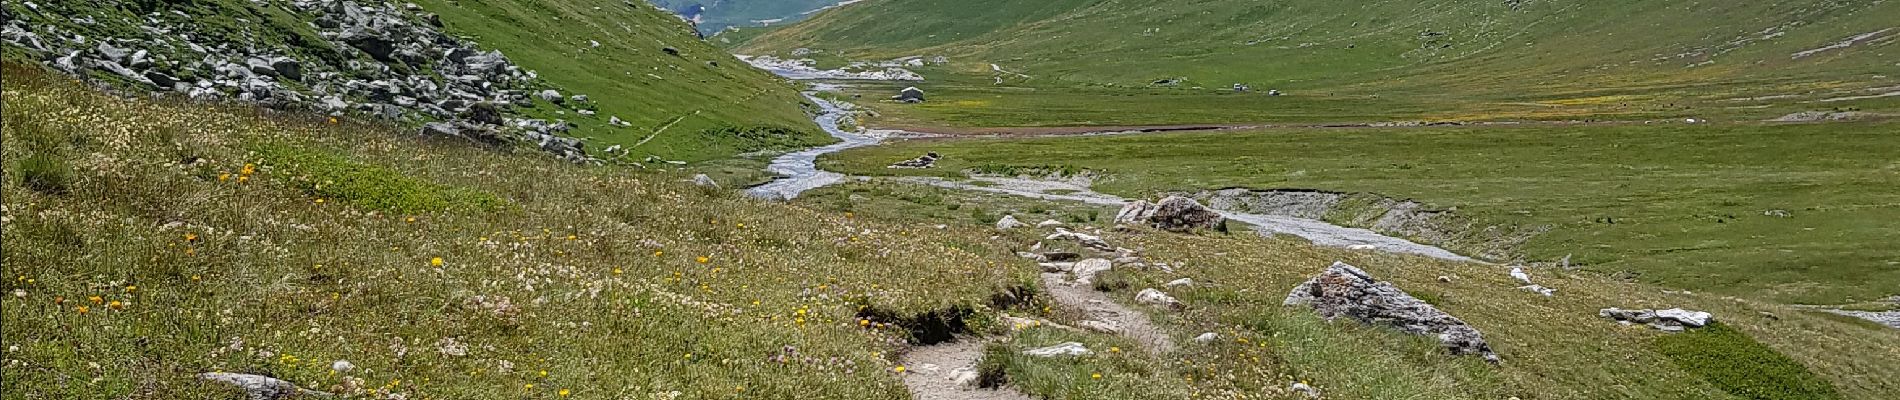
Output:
[[1346, 291]]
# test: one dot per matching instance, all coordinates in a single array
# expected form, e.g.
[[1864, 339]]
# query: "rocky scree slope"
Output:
[[340, 57], [402, 62]]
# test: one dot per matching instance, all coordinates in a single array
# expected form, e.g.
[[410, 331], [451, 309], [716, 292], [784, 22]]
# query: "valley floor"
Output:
[[1788, 212]]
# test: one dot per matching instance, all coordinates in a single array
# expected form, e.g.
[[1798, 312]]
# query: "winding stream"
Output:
[[799, 172]]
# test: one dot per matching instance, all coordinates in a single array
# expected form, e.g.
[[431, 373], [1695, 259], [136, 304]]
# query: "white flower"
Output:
[[343, 366], [20, 293]]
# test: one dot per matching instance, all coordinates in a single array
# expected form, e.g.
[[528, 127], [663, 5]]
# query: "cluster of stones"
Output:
[[374, 58]]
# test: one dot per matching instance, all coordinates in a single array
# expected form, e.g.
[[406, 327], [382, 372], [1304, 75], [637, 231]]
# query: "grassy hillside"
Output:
[[1457, 59], [631, 75], [1678, 205], [1553, 348], [148, 241], [696, 105]]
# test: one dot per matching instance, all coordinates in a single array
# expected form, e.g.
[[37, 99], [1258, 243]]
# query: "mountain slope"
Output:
[[148, 240], [435, 61], [1501, 49], [717, 15], [632, 75]]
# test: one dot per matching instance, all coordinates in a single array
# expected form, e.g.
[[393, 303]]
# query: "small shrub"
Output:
[[1735, 362]]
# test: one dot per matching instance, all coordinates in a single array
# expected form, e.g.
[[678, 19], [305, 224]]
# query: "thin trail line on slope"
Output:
[[663, 128]]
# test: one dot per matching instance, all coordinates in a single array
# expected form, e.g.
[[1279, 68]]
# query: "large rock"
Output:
[[910, 95], [1670, 320], [1346, 291], [287, 67], [1175, 214]]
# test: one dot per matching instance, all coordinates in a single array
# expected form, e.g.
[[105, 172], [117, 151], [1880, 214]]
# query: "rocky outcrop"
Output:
[[1346, 291], [368, 58], [1670, 320], [1174, 213], [258, 387]]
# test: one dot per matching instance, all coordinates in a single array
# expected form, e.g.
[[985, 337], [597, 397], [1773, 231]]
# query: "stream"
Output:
[[799, 173]]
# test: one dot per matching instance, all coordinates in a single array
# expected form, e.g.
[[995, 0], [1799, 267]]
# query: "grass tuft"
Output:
[[1735, 362], [327, 175]]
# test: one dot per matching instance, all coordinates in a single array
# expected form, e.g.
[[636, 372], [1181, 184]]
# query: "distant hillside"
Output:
[[1459, 46], [717, 15], [501, 70]]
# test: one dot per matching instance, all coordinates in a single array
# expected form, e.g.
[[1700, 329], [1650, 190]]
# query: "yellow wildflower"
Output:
[[116, 305], [82, 310], [899, 369], [564, 392], [96, 300], [436, 261], [1097, 375], [704, 259]]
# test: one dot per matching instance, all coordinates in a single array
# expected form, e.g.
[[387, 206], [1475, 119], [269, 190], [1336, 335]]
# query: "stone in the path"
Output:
[[964, 377], [1346, 291], [1009, 222], [1174, 214], [1207, 338], [1100, 326], [1065, 349], [1183, 282], [1090, 241], [1670, 320], [1086, 270], [1048, 223], [705, 181], [258, 387], [1152, 296]]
